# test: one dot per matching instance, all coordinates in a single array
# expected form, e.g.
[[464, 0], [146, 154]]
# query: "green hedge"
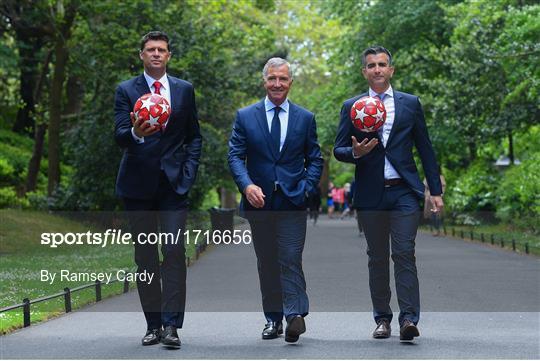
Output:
[[519, 194]]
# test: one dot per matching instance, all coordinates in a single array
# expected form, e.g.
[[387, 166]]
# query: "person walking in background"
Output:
[[338, 196], [430, 211], [388, 190], [276, 162], [155, 175], [347, 201], [330, 200]]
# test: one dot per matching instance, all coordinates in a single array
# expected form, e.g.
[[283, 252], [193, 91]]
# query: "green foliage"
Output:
[[474, 190], [15, 153], [219, 46], [344, 177], [94, 157], [519, 194], [474, 64], [8, 197], [213, 169], [7, 172], [9, 82]]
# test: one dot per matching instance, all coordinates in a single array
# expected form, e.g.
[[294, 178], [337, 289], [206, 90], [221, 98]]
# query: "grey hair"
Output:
[[276, 63]]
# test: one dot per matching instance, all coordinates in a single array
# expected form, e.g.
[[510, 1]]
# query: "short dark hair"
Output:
[[155, 35], [374, 50]]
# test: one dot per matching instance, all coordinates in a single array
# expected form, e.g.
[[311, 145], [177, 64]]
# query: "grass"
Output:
[[503, 234], [22, 257]]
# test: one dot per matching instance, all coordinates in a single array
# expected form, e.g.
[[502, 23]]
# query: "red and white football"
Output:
[[153, 108], [368, 114]]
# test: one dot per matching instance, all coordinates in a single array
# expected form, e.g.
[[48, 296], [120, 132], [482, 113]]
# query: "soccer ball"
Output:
[[153, 108], [368, 114]]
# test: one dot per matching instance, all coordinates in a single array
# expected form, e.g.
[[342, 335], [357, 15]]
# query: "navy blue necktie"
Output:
[[275, 129]]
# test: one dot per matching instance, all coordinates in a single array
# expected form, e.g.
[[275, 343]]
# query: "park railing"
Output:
[[66, 294], [490, 238]]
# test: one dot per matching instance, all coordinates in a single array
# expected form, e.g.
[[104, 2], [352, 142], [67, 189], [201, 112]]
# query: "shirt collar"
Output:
[[389, 92], [163, 80], [268, 105]]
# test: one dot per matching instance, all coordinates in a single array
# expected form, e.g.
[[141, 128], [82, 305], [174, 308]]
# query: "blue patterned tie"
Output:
[[275, 130], [380, 131]]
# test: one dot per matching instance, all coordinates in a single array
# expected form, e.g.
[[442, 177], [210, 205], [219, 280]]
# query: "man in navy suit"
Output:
[[156, 172], [388, 190], [276, 162]]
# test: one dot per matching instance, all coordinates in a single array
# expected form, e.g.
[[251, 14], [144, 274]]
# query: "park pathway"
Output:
[[478, 302]]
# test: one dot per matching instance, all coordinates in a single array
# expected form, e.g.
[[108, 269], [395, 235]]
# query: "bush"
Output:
[[37, 200], [17, 158], [8, 197], [213, 169], [7, 172], [94, 157], [518, 194], [474, 190]]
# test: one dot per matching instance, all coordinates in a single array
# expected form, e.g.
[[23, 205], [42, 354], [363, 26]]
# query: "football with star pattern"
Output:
[[368, 114], [153, 108]]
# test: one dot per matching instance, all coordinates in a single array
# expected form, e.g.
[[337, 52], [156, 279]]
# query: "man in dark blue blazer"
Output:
[[156, 172], [388, 190], [276, 163]]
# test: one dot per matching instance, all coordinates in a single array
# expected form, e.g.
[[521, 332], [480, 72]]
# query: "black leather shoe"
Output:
[[272, 330], [383, 329], [170, 338], [152, 337], [408, 331], [295, 327]]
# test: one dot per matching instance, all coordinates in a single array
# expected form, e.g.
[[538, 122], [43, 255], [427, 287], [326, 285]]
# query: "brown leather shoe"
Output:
[[408, 331], [383, 329]]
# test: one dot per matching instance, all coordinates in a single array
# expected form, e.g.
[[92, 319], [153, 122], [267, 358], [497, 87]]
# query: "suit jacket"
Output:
[[253, 160], [409, 129], [176, 151]]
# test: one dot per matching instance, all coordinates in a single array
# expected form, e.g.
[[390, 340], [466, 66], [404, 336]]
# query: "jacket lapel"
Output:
[[398, 104], [142, 86], [173, 91], [260, 115]]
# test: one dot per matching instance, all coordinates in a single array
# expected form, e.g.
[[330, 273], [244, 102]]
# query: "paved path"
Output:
[[478, 302]]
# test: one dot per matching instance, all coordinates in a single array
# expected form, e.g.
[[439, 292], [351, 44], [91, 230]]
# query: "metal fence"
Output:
[[490, 238], [26, 302]]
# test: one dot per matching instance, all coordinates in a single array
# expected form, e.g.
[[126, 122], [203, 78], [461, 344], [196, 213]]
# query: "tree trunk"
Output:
[[35, 160], [74, 93], [55, 109], [39, 133], [28, 65]]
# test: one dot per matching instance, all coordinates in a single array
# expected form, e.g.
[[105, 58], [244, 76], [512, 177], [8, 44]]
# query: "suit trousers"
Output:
[[396, 218], [163, 300], [278, 239]]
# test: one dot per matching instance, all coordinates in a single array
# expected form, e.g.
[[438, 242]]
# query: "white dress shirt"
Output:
[[389, 170], [283, 118], [165, 92]]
